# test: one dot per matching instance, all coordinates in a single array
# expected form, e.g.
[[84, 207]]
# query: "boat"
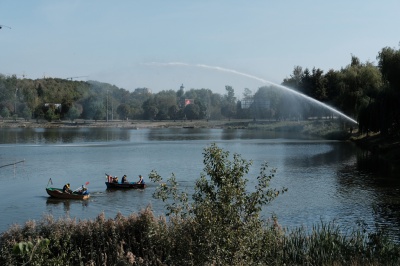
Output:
[[130, 185], [112, 183], [58, 193]]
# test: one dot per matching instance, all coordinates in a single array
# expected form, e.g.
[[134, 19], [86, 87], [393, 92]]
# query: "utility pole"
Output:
[[15, 101], [107, 108]]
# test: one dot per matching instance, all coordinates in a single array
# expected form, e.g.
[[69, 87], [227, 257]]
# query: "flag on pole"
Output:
[[50, 182], [189, 101]]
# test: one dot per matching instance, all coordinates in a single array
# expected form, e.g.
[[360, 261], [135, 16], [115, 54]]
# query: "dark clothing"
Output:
[[66, 189]]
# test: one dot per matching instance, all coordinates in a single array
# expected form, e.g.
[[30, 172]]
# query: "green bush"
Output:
[[223, 218]]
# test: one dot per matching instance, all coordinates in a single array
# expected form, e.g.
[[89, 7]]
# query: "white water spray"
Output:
[[258, 79]]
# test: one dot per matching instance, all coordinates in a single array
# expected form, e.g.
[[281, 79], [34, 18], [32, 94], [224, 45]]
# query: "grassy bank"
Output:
[[143, 239]]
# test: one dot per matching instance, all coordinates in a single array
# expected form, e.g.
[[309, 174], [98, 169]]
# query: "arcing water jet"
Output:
[[262, 81]]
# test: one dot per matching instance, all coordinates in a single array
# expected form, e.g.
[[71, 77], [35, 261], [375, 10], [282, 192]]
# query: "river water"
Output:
[[328, 181]]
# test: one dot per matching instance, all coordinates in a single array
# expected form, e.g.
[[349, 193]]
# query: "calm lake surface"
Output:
[[329, 181]]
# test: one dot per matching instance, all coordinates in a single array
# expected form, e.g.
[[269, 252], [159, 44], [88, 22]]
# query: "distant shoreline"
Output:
[[121, 124], [302, 126], [325, 128], [388, 147]]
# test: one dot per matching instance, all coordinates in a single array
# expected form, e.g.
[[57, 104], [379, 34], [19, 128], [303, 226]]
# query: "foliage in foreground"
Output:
[[223, 217], [220, 225], [145, 240]]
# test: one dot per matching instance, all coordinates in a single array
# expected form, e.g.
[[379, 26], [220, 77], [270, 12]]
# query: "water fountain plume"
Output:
[[232, 71]]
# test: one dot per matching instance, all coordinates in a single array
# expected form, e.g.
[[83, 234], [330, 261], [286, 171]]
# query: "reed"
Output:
[[143, 239]]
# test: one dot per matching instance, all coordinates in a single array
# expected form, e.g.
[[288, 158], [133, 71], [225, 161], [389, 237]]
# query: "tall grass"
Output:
[[143, 239], [126, 240]]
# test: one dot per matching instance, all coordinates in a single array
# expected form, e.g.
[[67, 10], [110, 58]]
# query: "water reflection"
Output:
[[62, 135], [372, 176], [370, 162], [181, 134], [79, 135], [65, 203]]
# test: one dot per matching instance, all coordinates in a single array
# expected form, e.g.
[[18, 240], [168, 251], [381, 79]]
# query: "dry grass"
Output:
[[143, 239]]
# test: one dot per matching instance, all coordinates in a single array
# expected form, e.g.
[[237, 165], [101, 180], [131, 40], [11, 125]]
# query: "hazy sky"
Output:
[[134, 44]]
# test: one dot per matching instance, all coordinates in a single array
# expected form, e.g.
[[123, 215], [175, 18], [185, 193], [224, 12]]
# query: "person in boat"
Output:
[[109, 178], [124, 180], [84, 191], [115, 179], [66, 188], [140, 180]]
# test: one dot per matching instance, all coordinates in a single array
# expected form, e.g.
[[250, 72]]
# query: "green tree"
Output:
[[358, 79], [73, 113], [25, 111], [151, 111], [164, 100], [295, 79], [216, 102], [173, 111], [5, 112], [123, 111], [265, 103], [229, 107], [223, 216], [192, 111], [94, 108], [29, 95], [389, 66], [51, 114], [333, 84], [38, 113], [247, 94]]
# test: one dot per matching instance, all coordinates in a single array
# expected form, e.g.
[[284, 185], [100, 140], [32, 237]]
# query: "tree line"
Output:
[[367, 92]]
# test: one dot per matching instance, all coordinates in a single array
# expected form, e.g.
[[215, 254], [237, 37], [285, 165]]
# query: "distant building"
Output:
[[143, 91], [246, 103], [56, 105], [263, 104]]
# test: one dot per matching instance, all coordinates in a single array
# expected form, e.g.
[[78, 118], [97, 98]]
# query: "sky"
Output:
[[209, 44]]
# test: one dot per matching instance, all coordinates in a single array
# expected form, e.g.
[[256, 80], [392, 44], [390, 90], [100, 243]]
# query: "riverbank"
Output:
[[387, 147], [328, 129], [117, 124]]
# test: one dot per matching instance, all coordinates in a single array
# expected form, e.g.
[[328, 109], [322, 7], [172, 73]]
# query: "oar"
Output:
[[87, 183]]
